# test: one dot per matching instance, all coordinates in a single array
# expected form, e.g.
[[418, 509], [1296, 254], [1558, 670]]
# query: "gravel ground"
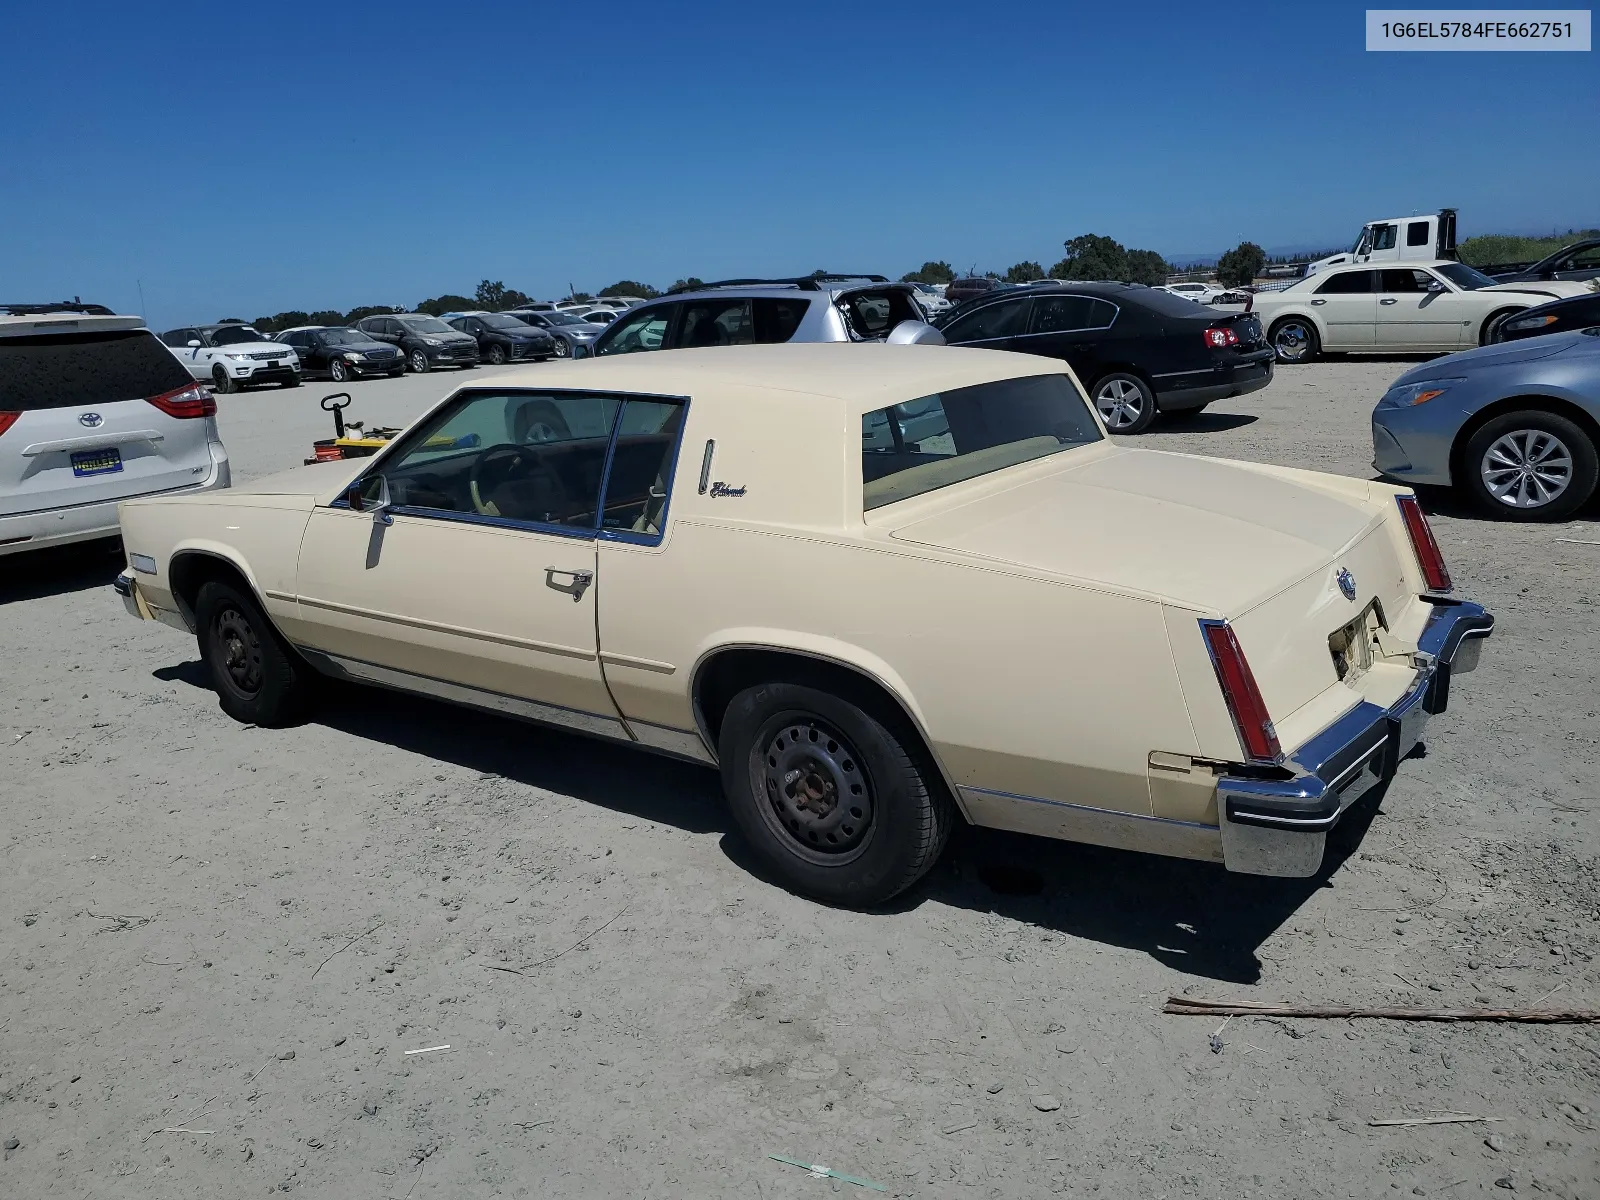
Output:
[[219, 944]]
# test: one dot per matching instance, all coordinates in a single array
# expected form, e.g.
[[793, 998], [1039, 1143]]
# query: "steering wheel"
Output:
[[515, 456]]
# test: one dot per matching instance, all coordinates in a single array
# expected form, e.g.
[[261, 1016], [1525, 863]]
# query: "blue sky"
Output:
[[239, 160]]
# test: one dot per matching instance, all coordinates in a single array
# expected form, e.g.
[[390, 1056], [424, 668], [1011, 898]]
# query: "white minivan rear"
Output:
[[93, 410]]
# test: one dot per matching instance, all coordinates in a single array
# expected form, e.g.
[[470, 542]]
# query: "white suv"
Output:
[[93, 410], [232, 355]]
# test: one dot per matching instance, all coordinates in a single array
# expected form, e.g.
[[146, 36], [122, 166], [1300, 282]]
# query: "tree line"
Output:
[[1094, 256]]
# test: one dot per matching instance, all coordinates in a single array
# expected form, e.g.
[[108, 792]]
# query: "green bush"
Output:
[[1490, 248]]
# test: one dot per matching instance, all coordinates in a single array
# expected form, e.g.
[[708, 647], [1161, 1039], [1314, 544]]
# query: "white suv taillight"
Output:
[[191, 400]]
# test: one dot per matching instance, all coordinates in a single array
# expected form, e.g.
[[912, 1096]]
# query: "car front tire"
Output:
[[258, 679], [1491, 327], [337, 371], [418, 361], [1295, 340], [1530, 466], [221, 381], [834, 801]]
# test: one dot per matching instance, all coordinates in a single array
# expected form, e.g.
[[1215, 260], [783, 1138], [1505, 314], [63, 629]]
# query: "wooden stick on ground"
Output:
[[1185, 1006], [1455, 1120]]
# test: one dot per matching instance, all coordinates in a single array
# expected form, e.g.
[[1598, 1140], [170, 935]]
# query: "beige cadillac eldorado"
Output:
[[882, 588]]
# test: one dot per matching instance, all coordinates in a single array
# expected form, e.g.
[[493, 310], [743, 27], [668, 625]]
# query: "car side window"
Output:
[[776, 319], [1406, 279], [1347, 283], [716, 323], [1417, 233], [639, 479], [642, 330], [1060, 314], [1383, 237], [1005, 319], [521, 456], [175, 338]]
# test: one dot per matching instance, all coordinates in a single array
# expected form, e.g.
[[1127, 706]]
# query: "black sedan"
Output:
[[1580, 261], [1138, 350], [1559, 316], [342, 354], [426, 342], [502, 338]]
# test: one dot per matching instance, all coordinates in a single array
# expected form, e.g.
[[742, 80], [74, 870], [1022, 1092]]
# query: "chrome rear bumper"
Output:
[[1278, 826]]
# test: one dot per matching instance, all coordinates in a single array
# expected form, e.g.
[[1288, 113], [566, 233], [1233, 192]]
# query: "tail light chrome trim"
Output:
[[1251, 721]]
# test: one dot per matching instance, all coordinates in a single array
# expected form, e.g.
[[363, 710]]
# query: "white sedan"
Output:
[[1437, 306], [1200, 293]]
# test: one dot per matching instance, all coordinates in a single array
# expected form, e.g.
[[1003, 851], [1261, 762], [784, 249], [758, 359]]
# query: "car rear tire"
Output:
[[337, 371], [832, 800], [497, 356], [418, 362], [258, 679], [1295, 340], [221, 381], [1125, 402], [1530, 466]]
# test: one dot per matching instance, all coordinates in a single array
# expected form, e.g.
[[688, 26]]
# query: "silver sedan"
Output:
[[1514, 425]]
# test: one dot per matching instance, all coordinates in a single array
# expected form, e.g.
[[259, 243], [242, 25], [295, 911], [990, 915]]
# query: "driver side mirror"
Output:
[[192, 342], [371, 494], [1435, 286]]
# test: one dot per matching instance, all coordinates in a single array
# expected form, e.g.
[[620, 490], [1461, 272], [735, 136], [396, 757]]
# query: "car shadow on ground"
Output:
[[1205, 422], [1440, 501], [37, 574], [1194, 917]]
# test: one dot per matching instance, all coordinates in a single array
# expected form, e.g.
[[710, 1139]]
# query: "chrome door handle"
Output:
[[1388, 300], [1319, 302], [580, 581]]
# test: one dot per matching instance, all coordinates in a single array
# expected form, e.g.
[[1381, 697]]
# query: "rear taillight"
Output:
[[1434, 573], [191, 400], [1218, 337], [1239, 692], [7, 420]]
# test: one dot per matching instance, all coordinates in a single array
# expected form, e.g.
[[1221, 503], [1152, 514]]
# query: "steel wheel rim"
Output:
[[240, 650], [1526, 468], [419, 361], [1120, 402], [1292, 341], [813, 789]]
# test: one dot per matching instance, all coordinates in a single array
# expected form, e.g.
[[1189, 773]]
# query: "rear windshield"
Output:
[[937, 440], [70, 370]]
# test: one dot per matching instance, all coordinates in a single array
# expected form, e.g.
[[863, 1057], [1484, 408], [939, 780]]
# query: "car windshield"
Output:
[[426, 325], [934, 441], [343, 337], [233, 335], [1466, 278], [563, 318], [502, 321]]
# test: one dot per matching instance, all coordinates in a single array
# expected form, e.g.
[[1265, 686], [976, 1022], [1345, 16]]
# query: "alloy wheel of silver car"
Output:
[[1292, 341], [562, 349], [1120, 402], [1526, 468]]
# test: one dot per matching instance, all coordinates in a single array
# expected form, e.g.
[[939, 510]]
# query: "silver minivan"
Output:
[[93, 410]]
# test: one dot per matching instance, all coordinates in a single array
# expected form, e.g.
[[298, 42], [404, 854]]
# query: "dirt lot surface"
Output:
[[221, 944]]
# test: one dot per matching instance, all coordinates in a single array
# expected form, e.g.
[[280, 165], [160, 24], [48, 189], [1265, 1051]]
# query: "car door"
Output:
[[1348, 307], [992, 326], [1069, 327], [476, 582], [641, 330], [1417, 311]]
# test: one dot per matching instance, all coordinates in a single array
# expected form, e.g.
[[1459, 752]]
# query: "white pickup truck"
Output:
[[233, 355]]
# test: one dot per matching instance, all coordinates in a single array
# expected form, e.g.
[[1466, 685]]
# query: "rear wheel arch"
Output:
[[723, 673], [1533, 403]]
